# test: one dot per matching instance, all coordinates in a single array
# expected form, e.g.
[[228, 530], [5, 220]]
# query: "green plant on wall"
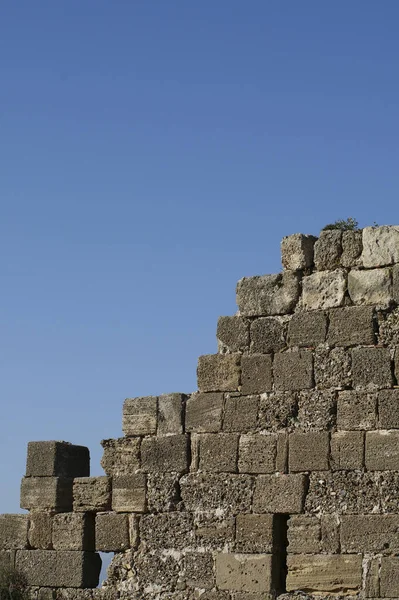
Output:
[[12, 584], [349, 224]]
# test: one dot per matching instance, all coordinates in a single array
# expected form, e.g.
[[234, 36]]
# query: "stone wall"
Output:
[[279, 476]]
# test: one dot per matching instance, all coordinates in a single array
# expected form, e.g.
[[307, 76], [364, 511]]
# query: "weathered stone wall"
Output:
[[279, 476]]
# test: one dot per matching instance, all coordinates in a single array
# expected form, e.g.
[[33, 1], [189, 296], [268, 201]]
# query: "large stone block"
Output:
[[388, 409], [371, 368], [380, 246], [351, 326], [73, 531], [283, 494], [204, 412], [316, 410], [382, 450], [307, 328], [332, 368], [347, 450], [321, 573], [112, 532], [121, 456], [91, 494], [351, 248], [268, 334], [240, 413], [268, 295], [356, 410], [233, 334], [221, 494], [165, 454], [13, 531], [370, 287], [40, 533], [293, 371], [328, 250], [140, 416], [370, 533], [199, 570], [219, 372], [46, 493], [304, 535], [256, 376], [170, 413], [57, 459], [214, 531], [129, 493], [278, 410], [258, 533], [172, 530], [343, 492], [218, 452], [49, 568], [389, 577], [244, 572], [297, 251], [257, 453], [309, 451], [324, 289]]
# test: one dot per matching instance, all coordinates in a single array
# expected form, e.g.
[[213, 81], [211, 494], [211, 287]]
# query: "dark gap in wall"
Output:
[[279, 566]]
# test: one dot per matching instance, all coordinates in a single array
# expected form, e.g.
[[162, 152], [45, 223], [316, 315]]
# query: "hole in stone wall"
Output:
[[106, 558], [280, 553]]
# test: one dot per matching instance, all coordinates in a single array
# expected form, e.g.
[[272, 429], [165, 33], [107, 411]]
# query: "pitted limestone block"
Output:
[[380, 246], [244, 572], [257, 533], [240, 413], [388, 409], [297, 251], [342, 492], [389, 577], [309, 451], [370, 287], [121, 456], [170, 413], [46, 493], [324, 289], [280, 493], [257, 453], [161, 571], [40, 530], [49, 568], [278, 410], [352, 247], [256, 376], [323, 573], [356, 410], [163, 492], [369, 533], [112, 532], [213, 531], [219, 372], [293, 371], [268, 295], [172, 530], [351, 326], [388, 483], [165, 454], [382, 450], [304, 535], [140, 416], [13, 532], [332, 368], [91, 494], [204, 412], [317, 410], [218, 452], [199, 570], [347, 450], [73, 531], [57, 459], [307, 328], [328, 250], [129, 493], [268, 334], [222, 493], [371, 368], [233, 334]]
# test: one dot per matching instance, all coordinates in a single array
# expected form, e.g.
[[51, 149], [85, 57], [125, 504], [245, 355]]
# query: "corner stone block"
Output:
[[352, 247], [219, 372], [165, 454], [293, 371], [380, 246], [73, 531], [283, 494], [268, 295], [351, 326], [268, 334], [328, 250], [91, 494], [347, 450], [121, 456], [112, 532], [48, 568], [257, 453], [40, 530], [240, 413], [369, 533], [325, 289], [321, 573], [257, 533], [218, 453], [140, 416], [297, 251], [382, 450], [309, 451], [389, 577], [129, 493], [170, 413], [371, 368], [307, 328], [356, 410], [13, 532], [57, 459], [370, 287], [46, 494], [204, 412], [233, 334], [388, 409], [244, 572], [256, 377]]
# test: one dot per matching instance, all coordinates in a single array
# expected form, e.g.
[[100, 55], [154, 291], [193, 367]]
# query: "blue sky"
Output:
[[151, 154]]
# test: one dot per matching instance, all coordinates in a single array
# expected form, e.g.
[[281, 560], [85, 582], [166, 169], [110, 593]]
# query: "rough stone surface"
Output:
[[278, 410], [159, 531], [170, 413], [129, 493], [218, 453], [332, 368], [57, 459], [257, 533], [13, 532], [380, 246], [225, 493], [352, 247], [342, 492], [199, 571], [46, 493], [244, 572], [91, 494], [328, 250], [388, 409], [232, 334], [370, 287], [309, 451], [268, 334], [293, 371], [121, 456], [351, 326], [369, 533], [297, 251], [240, 413], [204, 412], [163, 492], [112, 532], [307, 328], [347, 450], [165, 454], [219, 372], [49, 568], [389, 577], [279, 493], [371, 368], [268, 295], [257, 453], [140, 416], [324, 289], [213, 531], [73, 531], [40, 530], [317, 410], [382, 450], [256, 375], [356, 410], [321, 573]]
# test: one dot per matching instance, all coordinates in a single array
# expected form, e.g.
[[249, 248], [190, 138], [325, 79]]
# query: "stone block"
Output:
[[307, 328], [256, 376], [92, 494], [258, 533], [57, 459], [351, 326], [356, 410], [317, 410], [170, 413], [163, 571], [218, 452], [46, 493], [163, 494], [369, 533], [330, 542], [198, 567], [321, 573], [304, 535], [324, 289], [332, 368], [129, 493], [165, 454], [140, 416], [172, 530], [370, 287], [297, 251], [283, 494], [268, 334], [380, 246], [342, 492], [371, 368], [217, 493], [244, 572], [277, 410], [389, 577], [382, 450], [282, 452], [214, 531], [328, 250], [293, 371], [121, 456], [388, 409], [40, 530], [49, 568], [240, 413], [309, 451], [219, 372], [134, 532], [257, 453], [232, 334], [73, 531], [13, 532], [268, 295], [7, 559], [347, 450], [112, 532], [204, 412], [352, 247]]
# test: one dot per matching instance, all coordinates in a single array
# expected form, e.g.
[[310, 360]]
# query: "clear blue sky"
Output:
[[153, 152]]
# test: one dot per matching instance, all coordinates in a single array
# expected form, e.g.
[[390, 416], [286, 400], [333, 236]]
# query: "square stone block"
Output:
[[307, 328], [204, 412], [388, 409], [121, 456], [323, 289], [370, 287], [129, 493], [140, 416], [165, 454], [352, 247], [233, 334], [57, 459], [328, 250], [217, 493], [297, 251], [46, 494], [293, 371], [170, 413], [258, 533], [380, 246], [219, 372], [218, 452], [13, 531], [304, 535], [281, 494], [256, 376], [112, 532], [268, 334], [371, 368], [73, 531], [244, 572], [48, 568], [351, 326], [199, 571], [382, 450], [267, 295], [240, 413], [309, 451], [91, 494], [356, 410], [40, 533], [257, 453], [332, 368], [347, 450], [172, 530]]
